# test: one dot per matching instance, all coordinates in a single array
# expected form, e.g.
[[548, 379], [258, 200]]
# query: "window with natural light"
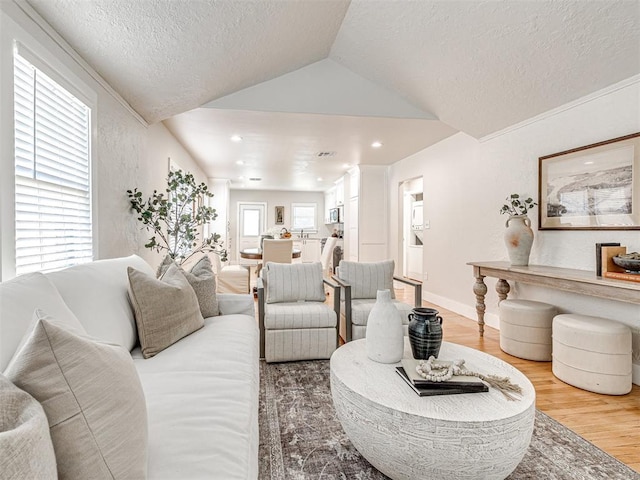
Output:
[[52, 173], [303, 216]]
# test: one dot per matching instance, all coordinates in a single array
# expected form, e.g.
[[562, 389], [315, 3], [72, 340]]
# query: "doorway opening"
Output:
[[412, 228]]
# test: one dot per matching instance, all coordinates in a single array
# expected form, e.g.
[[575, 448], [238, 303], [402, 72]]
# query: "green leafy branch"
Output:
[[176, 217], [517, 206]]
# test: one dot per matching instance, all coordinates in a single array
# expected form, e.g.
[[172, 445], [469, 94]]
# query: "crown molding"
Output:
[[68, 49]]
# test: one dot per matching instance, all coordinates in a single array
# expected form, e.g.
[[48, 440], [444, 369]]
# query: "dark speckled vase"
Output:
[[425, 332]]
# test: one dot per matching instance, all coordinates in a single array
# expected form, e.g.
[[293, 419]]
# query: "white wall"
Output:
[[127, 153], [273, 198], [466, 181]]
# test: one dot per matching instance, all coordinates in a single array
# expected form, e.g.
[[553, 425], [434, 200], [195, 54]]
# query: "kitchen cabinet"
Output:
[[310, 248], [339, 192], [329, 203], [366, 225]]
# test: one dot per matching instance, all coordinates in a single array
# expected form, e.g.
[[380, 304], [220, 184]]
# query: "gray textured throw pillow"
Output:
[[93, 399], [203, 282], [166, 310], [26, 450]]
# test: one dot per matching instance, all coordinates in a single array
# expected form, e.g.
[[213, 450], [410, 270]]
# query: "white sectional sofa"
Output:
[[201, 393]]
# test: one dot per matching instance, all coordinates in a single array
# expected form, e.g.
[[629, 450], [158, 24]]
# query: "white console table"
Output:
[[578, 281]]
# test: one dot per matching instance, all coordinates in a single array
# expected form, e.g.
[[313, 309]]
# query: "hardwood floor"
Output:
[[612, 423]]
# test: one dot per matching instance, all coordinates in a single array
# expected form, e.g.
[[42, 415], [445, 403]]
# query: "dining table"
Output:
[[256, 253]]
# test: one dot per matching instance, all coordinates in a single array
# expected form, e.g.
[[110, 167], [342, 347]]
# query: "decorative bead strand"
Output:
[[439, 372]]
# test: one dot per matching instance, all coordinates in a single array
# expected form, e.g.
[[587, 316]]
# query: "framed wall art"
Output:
[[595, 187], [279, 215]]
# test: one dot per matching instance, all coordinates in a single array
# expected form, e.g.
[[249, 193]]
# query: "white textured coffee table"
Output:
[[470, 436]]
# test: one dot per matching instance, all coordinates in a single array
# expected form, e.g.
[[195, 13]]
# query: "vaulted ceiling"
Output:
[[296, 78]]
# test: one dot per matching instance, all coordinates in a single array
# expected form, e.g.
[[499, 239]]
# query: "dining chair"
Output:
[[229, 278], [327, 252], [277, 251]]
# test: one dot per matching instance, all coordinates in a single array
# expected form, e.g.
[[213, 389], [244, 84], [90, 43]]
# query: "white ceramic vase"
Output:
[[518, 237], [385, 336]]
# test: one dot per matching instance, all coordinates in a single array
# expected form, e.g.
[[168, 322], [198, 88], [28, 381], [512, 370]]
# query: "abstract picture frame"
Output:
[[595, 187], [279, 215]]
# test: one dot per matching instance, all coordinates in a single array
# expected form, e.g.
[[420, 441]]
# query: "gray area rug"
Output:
[[301, 437]]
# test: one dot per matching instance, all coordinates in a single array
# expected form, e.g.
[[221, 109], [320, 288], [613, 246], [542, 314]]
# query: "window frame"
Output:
[[16, 39], [296, 205]]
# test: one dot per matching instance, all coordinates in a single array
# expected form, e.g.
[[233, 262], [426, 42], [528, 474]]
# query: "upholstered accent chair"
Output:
[[229, 278], [295, 322], [360, 283]]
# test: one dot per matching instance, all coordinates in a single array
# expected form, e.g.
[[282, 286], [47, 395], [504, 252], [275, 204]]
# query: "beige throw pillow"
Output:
[[26, 450], [166, 310], [93, 399]]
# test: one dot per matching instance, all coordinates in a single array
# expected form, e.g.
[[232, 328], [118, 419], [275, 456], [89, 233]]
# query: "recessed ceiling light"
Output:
[[345, 165], [236, 138], [319, 179], [239, 162], [376, 144], [588, 163], [240, 177]]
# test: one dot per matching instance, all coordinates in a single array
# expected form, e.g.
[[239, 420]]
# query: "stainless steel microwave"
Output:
[[334, 215]]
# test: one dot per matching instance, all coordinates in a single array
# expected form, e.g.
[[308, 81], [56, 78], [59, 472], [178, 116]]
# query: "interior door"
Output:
[[251, 223]]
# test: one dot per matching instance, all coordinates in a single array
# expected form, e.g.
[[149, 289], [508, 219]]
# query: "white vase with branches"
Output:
[[518, 237]]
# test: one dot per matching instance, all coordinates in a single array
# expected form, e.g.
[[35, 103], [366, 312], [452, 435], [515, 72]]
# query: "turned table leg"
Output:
[[480, 290], [503, 288]]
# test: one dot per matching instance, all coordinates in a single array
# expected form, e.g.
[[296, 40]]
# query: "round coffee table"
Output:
[[405, 436]]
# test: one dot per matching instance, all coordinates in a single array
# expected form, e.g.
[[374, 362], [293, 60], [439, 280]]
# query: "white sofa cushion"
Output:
[[202, 402], [166, 310], [26, 450], [19, 298], [97, 293], [93, 400], [293, 315], [367, 278], [292, 282]]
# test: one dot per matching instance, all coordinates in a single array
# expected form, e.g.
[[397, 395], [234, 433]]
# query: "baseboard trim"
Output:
[[635, 373], [490, 319]]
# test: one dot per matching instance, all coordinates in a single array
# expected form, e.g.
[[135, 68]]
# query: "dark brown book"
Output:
[[424, 391], [599, 255]]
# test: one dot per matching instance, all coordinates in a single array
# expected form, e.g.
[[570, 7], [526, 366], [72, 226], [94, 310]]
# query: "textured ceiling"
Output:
[[169, 56], [477, 66], [482, 66]]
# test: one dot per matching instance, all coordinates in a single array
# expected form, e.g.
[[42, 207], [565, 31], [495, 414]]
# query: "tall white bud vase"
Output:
[[385, 336]]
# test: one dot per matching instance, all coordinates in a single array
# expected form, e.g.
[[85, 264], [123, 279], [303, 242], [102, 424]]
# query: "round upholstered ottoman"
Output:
[[525, 329], [592, 353]]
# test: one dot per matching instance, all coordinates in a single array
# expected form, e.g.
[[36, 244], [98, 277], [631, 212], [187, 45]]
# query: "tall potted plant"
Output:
[[518, 236], [176, 218]]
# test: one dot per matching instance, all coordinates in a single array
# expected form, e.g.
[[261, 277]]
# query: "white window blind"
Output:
[[52, 159]]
